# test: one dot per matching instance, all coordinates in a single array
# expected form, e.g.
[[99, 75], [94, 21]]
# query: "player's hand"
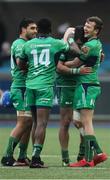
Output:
[[85, 70], [69, 31]]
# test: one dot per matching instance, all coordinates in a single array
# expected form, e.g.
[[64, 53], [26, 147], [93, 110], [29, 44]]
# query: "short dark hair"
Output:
[[98, 21], [79, 34], [25, 23], [44, 26]]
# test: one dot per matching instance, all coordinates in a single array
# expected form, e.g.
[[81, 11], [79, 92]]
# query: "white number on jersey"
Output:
[[44, 57], [12, 62]]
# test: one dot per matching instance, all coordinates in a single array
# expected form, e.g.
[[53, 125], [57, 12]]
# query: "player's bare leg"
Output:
[[23, 159], [34, 123], [91, 144], [23, 126], [66, 118], [78, 124], [42, 115]]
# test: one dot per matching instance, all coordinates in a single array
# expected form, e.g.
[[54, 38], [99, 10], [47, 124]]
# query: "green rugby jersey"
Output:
[[18, 76], [42, 54], [90, 55], [66, 80]]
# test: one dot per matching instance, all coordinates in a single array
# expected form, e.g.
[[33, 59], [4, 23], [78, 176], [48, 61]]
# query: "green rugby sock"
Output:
[[65, 154], [37, 150], [23, 151], [82, 149], [12, 143], [97, 147], [89, 147]]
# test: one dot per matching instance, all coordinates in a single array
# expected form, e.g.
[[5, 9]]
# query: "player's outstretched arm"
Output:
[[74, 63]]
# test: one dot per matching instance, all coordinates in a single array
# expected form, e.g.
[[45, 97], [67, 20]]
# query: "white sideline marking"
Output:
[[57, 156], [56, 179], [83, 168]]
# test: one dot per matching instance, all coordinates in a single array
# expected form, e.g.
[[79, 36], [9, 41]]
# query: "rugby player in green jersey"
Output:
[[21, 133], [41, 55], [87, 91], [66, 85]]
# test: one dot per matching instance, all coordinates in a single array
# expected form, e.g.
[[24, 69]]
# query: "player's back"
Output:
[[42, 55]]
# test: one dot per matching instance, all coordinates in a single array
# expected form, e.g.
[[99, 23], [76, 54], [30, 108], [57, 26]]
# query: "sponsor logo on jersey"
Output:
[[68, 102], [85, 49], [15, 104]]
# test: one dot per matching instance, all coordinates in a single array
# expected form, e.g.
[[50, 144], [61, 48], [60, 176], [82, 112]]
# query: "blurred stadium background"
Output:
[[63, 13]]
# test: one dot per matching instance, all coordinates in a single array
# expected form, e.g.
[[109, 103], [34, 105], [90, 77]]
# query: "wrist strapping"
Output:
[[75, 70]]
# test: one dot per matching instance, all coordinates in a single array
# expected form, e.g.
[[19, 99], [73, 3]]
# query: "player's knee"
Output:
[[24, 118], [42, 125], [65, 124]]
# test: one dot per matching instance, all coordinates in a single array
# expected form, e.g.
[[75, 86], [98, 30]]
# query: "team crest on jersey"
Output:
[[85, 49]]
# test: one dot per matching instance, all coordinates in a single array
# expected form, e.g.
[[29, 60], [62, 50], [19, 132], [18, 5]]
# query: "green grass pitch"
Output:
[[51, 156]]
